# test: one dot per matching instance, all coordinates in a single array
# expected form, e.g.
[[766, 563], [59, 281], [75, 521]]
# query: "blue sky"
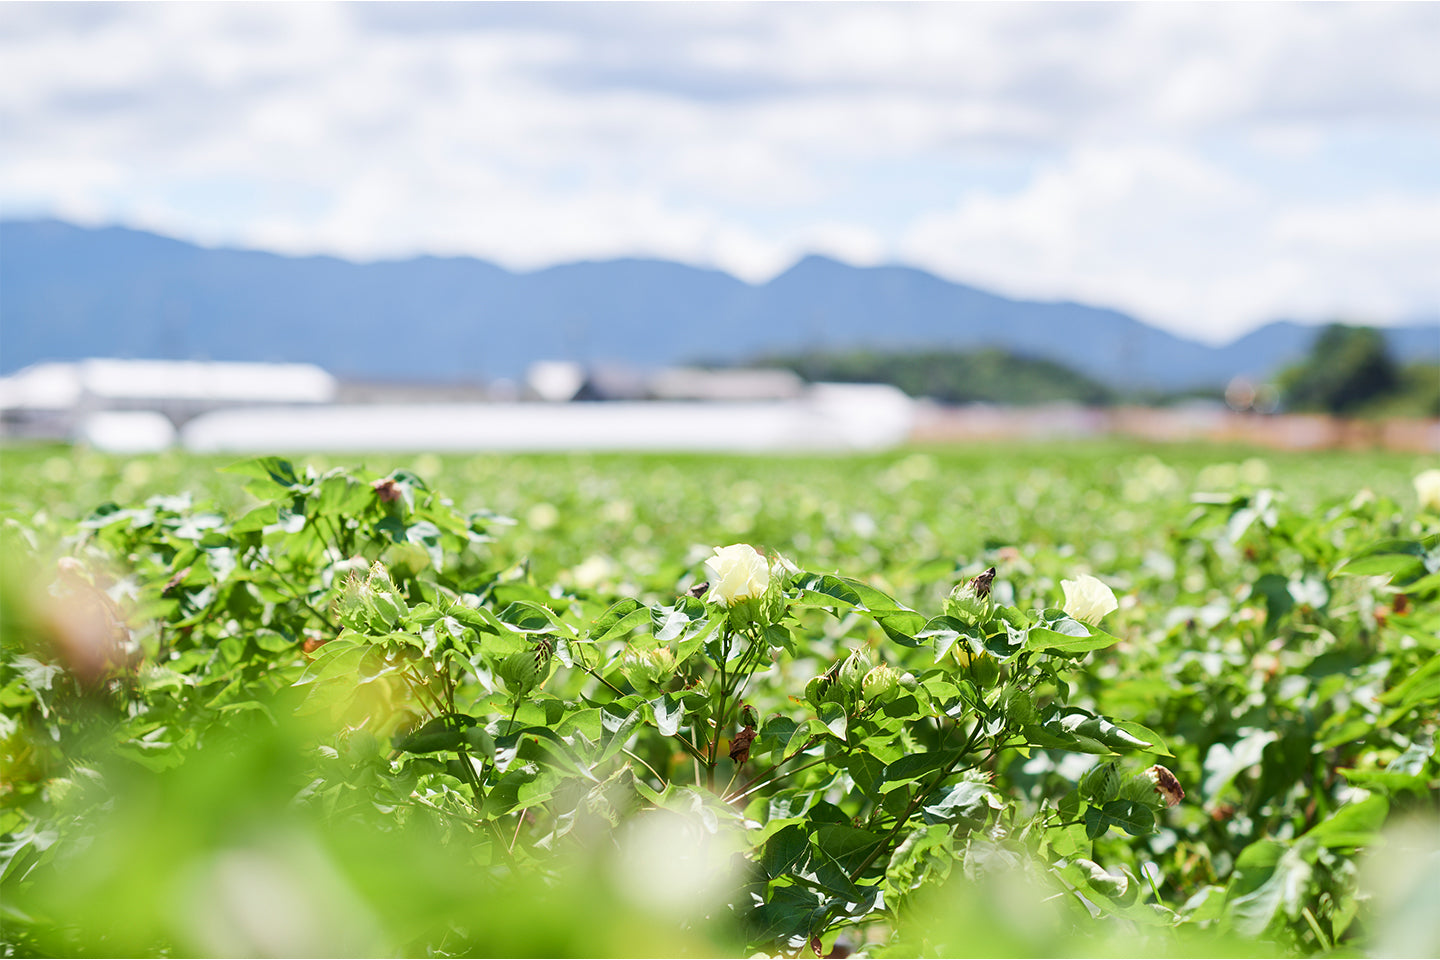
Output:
[[1206, 167]]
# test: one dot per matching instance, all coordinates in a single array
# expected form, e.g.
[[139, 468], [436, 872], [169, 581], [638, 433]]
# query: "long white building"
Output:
[[131, 405]]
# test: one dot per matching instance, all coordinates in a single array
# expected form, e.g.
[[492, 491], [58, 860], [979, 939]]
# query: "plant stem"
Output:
[[915, 802], [757, 783], [719, 710]]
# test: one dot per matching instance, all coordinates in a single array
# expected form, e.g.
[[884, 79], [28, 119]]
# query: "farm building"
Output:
[[140, 404]]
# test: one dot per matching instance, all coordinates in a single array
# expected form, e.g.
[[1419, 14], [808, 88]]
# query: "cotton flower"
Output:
[[1427, 490], [1087, 599], [737, 572]]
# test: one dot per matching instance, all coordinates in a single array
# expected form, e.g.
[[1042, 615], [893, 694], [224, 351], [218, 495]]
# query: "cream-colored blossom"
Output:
[[737, 572], [1427, 490], [1087, 599]]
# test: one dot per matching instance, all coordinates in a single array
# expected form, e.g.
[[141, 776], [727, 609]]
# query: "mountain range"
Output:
[[68, 292]]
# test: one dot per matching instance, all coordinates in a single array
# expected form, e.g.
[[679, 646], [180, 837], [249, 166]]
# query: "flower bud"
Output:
[[1427, 490], [382, 599], [879, 683], [350, 605], [970, 602], [1156, 786], [524, 670], [825, 688], [1087, 599], [649, 668], [856, 666], [1101, 783]]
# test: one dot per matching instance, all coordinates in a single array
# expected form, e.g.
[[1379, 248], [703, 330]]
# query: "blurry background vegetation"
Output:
[[1348, 372]]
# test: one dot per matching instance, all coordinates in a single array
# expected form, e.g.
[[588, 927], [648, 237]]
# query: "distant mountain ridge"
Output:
[[68, 292]]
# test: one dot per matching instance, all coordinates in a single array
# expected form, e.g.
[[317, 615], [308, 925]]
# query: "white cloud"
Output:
[[1165, 235], [745, 135]]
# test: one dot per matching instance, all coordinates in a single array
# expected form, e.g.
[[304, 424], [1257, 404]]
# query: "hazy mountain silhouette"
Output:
[[68, 292]]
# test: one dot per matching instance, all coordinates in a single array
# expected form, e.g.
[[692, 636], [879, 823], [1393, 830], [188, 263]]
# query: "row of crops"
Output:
[[1036, 700]]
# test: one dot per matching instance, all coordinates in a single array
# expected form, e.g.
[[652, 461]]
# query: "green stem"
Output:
[[752, 786], [580, 659], [745, 790], [291, 596], [1314, 927], [659, 779], [719, 710], [690, 748], [915, 802], [748, 663]]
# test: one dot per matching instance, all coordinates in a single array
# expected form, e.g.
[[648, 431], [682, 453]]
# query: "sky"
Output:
[[1207, 168]]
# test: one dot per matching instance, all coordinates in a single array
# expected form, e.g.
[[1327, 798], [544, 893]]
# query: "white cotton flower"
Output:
[[1427, 490], [737, 572], [1087, 599]]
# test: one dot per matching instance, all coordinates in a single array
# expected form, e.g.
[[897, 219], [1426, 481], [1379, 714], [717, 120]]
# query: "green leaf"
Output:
[[1143, 734], [784, 850], [849, 846], [1421, 687], [1388, 781], [528, 617], [1136, 819], [1353, 825], [902, 627], [275, 470], [620, 619], [914, 766], [1278, 599], [1070, 637], [618, 722], [867, 772], [967, 800], [1402, 560], [944, 631], [256, 520], [442, 733], [1269, 878], [336, 658], [669, 714], [1116, 888]]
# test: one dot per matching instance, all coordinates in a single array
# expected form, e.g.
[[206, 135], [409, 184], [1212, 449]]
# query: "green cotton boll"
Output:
[[383, 599], [815, 690], [384, 611], [520, 672], [1141, 789], [824, 689], [637, 669], [379, 578], [1101, 783], [649, 668], [741, 613], [351, 606], [852, 674], [980, 667], [967, 605], [879, 683]]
